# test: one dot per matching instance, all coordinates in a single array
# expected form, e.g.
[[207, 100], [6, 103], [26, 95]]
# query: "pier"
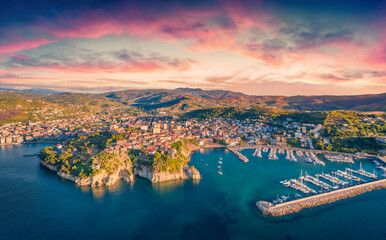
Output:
[[290, 155], [362, 172], [298, 185], [272, 154], [316, 182], [348, 176], [257, 153], [332, 179], [311, 158], [297, 205], [299, 151], [236, 150]]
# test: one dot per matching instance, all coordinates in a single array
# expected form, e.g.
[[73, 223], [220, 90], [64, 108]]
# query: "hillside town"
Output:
[[157, 133]]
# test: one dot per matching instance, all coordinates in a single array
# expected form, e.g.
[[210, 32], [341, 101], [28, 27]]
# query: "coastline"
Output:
[[103, 178]]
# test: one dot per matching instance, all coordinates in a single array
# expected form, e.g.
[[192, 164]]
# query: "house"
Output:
[[152, 151]]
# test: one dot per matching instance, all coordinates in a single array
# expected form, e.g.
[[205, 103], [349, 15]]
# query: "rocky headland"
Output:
[[122, 167]]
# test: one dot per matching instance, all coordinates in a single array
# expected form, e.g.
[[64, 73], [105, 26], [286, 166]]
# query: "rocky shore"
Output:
[[127, 172], [101, 179], [268, 208], [184, 173]]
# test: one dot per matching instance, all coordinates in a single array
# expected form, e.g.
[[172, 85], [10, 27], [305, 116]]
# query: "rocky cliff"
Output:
[[123, 172], [184, 173]]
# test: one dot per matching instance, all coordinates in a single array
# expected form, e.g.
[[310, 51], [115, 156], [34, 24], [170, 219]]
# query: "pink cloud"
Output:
[[132, 67], [11, 47], [202, 26]]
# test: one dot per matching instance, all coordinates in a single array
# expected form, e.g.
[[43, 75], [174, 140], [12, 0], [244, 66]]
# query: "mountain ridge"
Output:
[[186, 99]]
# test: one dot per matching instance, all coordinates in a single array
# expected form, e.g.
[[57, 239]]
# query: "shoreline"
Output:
[[185, 173], [297, 205]]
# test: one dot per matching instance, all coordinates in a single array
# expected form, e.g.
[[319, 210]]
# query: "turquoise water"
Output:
[[36, 204]]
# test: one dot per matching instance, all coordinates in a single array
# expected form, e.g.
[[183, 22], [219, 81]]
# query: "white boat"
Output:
[[219, 171]]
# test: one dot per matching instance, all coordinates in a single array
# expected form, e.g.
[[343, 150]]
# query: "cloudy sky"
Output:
[[262, 47]]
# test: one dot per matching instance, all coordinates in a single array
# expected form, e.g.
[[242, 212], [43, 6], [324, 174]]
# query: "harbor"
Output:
[[294, 154], [322, 189], [297, 205], [342, 178]]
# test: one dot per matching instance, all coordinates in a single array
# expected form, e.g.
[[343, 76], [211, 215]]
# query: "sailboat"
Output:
[[220, 161], [219, 171]]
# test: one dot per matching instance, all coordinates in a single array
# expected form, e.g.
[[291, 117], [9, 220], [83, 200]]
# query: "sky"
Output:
[[276, 47]]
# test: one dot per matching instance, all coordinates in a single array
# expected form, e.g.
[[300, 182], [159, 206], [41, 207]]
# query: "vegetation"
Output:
[[219, 141], [303, 117], [351, 145], [350, 124], [232, 112], [294, 142], [163, 162], [83, 154]]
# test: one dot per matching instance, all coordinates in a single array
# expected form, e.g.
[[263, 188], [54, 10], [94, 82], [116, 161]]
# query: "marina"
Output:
[[332, 179], [257, 153], [348, 176], [290, 156], [362, 172], [311, 158], [308, 155], [334, 157], [272, 154], [298, 185], [326, 187], [297, 205], [316, 182]]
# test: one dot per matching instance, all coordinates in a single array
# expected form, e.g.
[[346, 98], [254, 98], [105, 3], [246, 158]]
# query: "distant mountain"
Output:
[[34, 90], [368, 102], [198, 98], [187, 99], [156, 96]]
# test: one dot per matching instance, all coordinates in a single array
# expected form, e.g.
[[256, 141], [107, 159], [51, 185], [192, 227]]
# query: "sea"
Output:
[[36, 204]]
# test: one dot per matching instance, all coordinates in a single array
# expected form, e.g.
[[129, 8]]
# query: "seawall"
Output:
[[324, 198]]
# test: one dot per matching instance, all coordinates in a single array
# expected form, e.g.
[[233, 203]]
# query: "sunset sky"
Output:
[[255, 47]]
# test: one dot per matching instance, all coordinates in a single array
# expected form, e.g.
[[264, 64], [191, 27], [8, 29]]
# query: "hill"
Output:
[[33, 90], [23, 106], [195, 98]]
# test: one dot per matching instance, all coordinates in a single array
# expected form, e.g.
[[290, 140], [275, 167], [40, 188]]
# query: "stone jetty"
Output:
[[297, 205]]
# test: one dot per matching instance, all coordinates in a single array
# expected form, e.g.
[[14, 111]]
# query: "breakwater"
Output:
[[285, 208]]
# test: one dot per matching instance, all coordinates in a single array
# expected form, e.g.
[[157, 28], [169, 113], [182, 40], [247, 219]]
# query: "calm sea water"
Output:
[[36, 204]]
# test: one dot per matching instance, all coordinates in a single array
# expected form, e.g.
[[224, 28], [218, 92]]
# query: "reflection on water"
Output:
[[101, 191], [168, 186]]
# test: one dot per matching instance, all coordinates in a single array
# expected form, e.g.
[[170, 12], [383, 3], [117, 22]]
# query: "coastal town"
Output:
[[148, 139], [156, 133]]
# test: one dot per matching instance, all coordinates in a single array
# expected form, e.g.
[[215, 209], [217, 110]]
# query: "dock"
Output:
[[297, 205], [272, 154], [235, 150], [332, 179], [348, 176], [316, 182]]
